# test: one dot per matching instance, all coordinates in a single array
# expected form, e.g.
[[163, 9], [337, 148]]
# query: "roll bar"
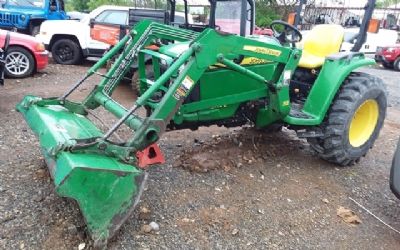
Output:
[[246, 14]]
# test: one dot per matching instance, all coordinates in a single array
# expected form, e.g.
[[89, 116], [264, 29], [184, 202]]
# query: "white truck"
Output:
[[383, 38], [69, 40]]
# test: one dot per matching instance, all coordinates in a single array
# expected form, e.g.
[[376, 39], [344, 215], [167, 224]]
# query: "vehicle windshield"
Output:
[[198, 11], [28, 3], [227, 16]]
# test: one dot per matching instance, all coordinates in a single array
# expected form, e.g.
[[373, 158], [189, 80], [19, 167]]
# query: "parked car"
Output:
[[395, 173], [389, 56], [111, 34], [25, 55], [28, 15], [383, 38], [72, 43]]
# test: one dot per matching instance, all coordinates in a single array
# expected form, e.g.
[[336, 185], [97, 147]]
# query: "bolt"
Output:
[[102, 146]]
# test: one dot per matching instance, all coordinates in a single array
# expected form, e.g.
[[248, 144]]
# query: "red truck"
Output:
[[389, 56]]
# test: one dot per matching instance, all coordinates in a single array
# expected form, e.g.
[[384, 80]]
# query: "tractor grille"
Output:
[[8, 19]]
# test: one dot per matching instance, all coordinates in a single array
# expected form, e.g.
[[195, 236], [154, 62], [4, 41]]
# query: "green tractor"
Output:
[[212, 77]]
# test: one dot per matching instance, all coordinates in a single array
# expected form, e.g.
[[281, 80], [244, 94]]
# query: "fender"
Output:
[[334, 71]]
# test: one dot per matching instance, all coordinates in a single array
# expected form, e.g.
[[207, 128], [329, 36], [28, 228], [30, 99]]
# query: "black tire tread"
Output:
[[331, 148], [74, 45]]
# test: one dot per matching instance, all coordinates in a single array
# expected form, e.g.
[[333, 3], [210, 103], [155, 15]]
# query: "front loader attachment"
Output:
[[106, 177], [106, 189]]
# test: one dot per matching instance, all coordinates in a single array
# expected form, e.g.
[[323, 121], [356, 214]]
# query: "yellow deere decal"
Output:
[[252, 61], [246, 61], [262, 50]]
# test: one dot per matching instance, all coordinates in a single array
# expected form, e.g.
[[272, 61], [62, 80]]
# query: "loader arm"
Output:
[[206, 49]]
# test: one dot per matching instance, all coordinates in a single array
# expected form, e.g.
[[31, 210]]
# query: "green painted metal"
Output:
[[325, 88], [105, 188], [199, 78]]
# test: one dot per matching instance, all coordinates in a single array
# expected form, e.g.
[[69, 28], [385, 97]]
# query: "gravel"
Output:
[[220, 188]]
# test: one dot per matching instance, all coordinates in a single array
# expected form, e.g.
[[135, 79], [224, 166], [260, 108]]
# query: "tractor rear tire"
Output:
[[396, 64], [354, 120]]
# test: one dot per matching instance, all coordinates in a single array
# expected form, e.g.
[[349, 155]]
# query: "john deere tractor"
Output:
[[212, 77]]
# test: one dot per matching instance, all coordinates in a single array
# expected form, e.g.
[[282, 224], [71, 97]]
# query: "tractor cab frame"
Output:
[[236, 17]]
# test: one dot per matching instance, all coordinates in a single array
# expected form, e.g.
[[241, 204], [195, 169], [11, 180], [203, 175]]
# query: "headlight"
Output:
[[40, 47], [23, 17]]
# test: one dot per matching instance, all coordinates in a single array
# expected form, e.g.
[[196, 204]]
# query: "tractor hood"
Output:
[[175, 49]]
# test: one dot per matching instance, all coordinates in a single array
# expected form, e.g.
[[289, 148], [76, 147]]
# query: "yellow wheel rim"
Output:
[[363, 123]]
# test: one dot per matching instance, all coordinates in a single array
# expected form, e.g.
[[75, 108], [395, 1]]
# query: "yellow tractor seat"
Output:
[[322, 41]]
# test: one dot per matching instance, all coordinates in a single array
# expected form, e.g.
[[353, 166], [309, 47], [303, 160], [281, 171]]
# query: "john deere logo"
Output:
[[262, 50]]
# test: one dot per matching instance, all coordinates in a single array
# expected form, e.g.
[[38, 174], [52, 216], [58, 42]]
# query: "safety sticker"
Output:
[[183, 90], [262, 50], [187, 82]]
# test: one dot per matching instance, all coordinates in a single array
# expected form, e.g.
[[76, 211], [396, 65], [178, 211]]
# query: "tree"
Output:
[[270, 10], [93, 4], [386, 3], [78, 5]]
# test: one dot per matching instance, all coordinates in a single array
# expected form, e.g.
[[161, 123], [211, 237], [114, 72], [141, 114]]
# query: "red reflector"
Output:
[[150, 156], [152, 47]]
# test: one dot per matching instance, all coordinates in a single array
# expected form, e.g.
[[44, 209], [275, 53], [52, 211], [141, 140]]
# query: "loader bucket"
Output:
[[105, 189]]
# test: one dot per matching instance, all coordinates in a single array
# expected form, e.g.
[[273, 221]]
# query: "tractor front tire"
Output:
[[354, 120]]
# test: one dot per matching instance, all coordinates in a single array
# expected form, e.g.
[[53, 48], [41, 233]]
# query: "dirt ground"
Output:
[[220, 188]]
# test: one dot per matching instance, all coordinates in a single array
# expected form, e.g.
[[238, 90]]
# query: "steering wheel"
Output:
[[290, 34]]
